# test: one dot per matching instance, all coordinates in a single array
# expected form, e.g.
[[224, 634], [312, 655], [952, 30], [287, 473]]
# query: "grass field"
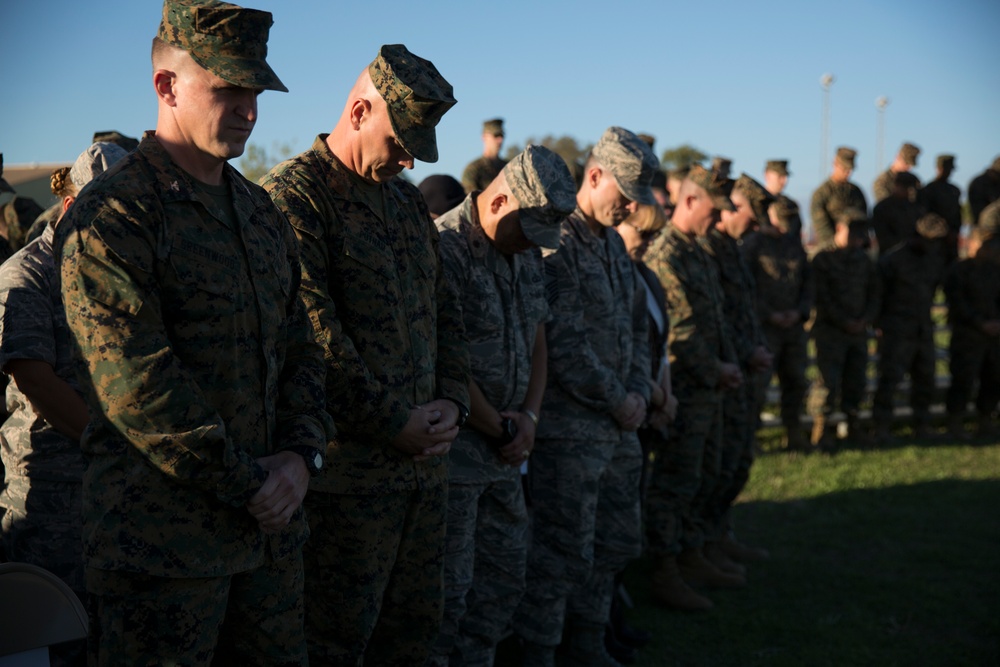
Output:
[[883, 557]]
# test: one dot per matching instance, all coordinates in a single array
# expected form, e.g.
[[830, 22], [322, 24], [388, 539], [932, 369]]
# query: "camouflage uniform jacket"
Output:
[[480, 172], [944, 198], [847, 287], [972, 287], [33, 326], [883, 185], [984, 189], [381, 309], [782, 274], [197, 359], [598, 338], [739, 294], [828, 201], [698, 344], [908, 281], [502, 305]]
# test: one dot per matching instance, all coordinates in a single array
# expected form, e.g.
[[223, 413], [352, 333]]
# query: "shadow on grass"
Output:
[[906, 575]]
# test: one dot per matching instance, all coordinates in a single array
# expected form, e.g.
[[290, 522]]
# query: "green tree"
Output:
[[256, 161], [681, 157]]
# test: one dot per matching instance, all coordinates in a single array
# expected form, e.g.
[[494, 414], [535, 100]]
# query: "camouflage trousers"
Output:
[[585, 529], [374, 589], [248, 618], [739, 421], [900, 352], [43, 526], [789, 347], [486, 550], [684, 473], [842, 361], [973, 356]]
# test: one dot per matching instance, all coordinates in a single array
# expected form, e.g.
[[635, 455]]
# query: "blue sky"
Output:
[[740, 79]]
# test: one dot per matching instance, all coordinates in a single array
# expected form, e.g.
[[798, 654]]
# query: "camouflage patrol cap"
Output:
[[416, 95], [845, 156], [946, 161], [710, 182], [909, 153], [95, 161], [116, 137], [721, 166], [777, 166], [630, 160], [932, 226], [648, 138], [4, 185], [545, 193], [227, 40], [494, 127], [756, 194]]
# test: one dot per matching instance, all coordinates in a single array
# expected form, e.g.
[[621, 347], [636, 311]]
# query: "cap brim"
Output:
[[418, 140], [723, 203], [642, 194], [244, 72], [542, 234]]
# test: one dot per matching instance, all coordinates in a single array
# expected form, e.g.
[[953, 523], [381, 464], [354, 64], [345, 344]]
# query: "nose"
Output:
[[247, 106], [407, 161]]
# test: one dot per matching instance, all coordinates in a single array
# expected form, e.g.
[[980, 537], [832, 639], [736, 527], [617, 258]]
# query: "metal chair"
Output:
[[37, 610]]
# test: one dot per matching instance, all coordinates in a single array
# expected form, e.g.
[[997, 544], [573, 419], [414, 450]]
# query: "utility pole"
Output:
[[826, 81]]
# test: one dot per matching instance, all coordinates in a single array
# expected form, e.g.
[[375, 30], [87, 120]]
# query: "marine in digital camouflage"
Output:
[[480, 172], [828, 201], [944, 198]]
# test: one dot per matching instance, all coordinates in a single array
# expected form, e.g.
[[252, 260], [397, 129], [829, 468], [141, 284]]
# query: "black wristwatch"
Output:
[[463, 413], [312, 457]]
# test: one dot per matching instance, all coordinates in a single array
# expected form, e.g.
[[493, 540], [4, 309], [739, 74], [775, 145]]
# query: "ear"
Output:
[[498, 202], [360, 110], [163, 82], [66, 203], [594, 176]]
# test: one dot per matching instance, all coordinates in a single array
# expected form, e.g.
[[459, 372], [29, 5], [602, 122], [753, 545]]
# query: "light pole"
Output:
[[880, 103], [826, 81]]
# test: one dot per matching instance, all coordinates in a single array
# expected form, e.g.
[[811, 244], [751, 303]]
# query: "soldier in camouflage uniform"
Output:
[[584, 475], [703, 364], [906, 159], [909, 276], [834, 197], [972, 288], [739, 406], [205, 388], [489, 251], [41, 439], [783, 277], [775, 179], [480, 172], [984, 189], [847, 303], [944, 198], [894, 219], [397, 380]]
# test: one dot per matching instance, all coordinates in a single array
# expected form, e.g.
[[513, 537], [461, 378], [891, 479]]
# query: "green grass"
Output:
[[878, 557]]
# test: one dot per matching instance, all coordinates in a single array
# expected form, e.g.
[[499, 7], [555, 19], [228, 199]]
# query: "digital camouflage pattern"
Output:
[[784, 282], [227, 40], [393, 338], [909, 276], [145, 620], [545, 193], [501, 305], [417, 96], [883, 185], [480, 172], [378, 300], [198, 360], [43, 468], [630, 160], [829, 201], [847, 288], [584, 467], [972, 288], [759, 198], [681, 479]]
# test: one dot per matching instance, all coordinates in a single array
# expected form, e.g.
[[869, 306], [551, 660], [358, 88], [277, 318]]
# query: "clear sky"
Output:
[[739, 79]]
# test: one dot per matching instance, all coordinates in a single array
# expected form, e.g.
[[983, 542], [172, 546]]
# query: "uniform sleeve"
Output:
[[26, 330], [453, 369], [354, 396], [573, 364], [821, 221], [112, 300], [640, 368], [688, 351]]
